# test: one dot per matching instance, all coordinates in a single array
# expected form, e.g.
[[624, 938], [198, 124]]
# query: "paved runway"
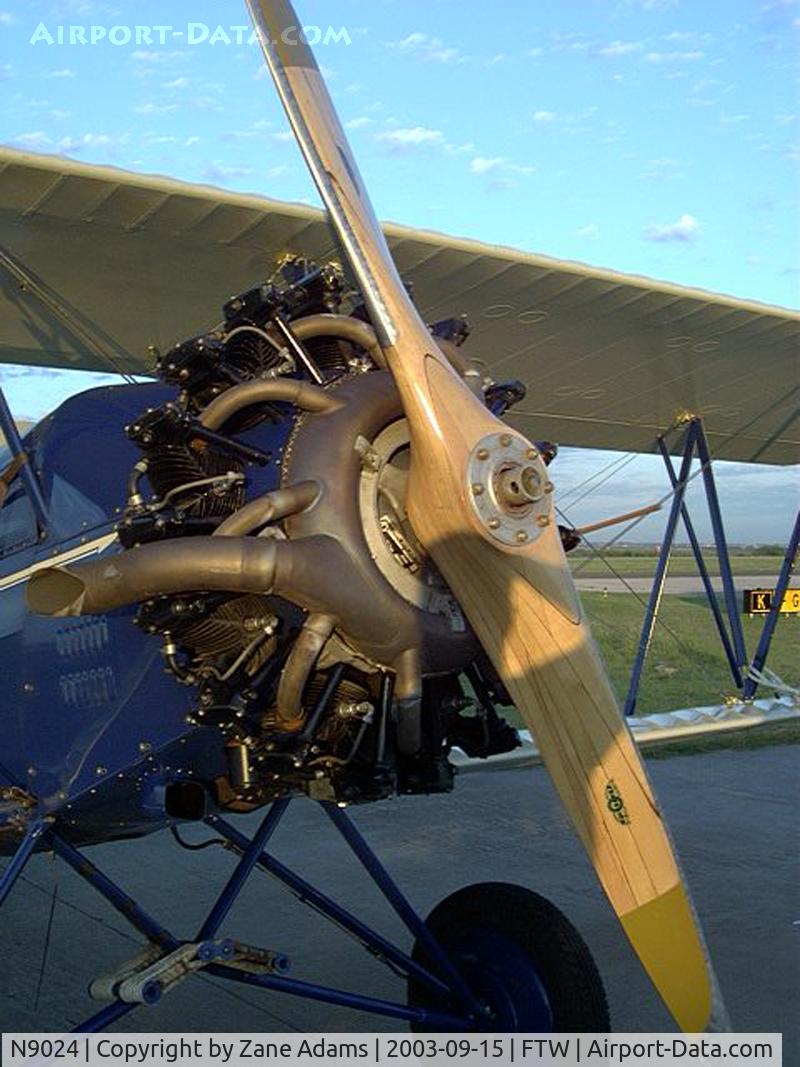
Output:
[[733, 815], [686, 584]]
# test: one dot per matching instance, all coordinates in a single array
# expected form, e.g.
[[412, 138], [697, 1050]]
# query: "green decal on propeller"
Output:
[[616, 805]]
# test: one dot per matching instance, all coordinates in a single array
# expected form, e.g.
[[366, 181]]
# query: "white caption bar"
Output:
[[369, 1050]]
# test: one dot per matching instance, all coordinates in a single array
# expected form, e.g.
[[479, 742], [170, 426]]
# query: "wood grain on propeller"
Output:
[[519, 598]]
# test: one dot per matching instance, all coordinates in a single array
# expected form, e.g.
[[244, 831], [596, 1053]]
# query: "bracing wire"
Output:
[[46, 948], [601, 554], [613, 468], [98, 921], [28, 283]]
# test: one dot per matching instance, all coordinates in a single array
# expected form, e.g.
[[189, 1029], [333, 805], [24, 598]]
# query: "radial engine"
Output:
[[265, 543]]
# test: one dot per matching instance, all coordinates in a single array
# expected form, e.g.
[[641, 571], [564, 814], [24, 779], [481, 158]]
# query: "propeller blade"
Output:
[[480, 501]]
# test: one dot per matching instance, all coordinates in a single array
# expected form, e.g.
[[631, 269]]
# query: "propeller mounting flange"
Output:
[[508, 485]]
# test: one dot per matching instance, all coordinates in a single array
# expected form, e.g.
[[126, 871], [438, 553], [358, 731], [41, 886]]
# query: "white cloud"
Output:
[[36, 139], [663, 169], [430, 49], [151, 108], [207, 103], [703, 84], [31, 102], [499, 184], [683, 229], [409, 139], [497, 165], [400, 140], [6, 18], [142, 55], [162, 139], [176, 83], [544, 116], [569, 42], [675, 57], [687, 36], [358, 123], [498, 59], [590, 230], [148, 64], [256, 130], [64, 72], [483, 165], [653, 5], [619, 48], [73, 145], [218, 172], [733, 120]]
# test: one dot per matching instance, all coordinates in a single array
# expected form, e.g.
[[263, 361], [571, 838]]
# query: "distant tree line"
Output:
[[650, 550]]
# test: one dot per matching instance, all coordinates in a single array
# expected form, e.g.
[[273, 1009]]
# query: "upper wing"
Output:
[[610, 359]]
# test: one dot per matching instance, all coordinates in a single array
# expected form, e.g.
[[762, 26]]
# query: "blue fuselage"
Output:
[[90, 723]]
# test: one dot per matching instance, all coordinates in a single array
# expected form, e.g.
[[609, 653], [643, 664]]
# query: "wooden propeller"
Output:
[[480, 501]]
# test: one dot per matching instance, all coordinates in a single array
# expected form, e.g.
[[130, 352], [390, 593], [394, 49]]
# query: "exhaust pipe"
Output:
[[218, 564], [303, 395], [317, 573], [272, 507], [225, 564]]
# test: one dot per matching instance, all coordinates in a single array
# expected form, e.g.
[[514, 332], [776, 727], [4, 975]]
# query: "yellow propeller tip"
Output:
[[664, 935]]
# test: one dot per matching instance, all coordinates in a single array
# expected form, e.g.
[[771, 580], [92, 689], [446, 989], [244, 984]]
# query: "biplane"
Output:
[[318, 548]]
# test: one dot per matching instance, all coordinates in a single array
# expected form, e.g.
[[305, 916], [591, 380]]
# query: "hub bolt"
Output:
[[543, 520]]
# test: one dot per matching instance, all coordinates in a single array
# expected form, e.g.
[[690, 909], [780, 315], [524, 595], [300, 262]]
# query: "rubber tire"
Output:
[[532, 929]]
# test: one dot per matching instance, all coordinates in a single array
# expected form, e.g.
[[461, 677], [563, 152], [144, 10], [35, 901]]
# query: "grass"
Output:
[[686, 666], [680, 566]]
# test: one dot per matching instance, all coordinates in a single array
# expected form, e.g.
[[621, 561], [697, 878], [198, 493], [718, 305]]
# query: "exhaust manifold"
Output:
[[325, 566]]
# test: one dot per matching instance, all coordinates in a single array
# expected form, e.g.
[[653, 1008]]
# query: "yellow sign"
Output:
[[759, 601]]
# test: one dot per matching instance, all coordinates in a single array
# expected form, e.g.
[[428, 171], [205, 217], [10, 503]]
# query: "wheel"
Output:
[[522, 958]]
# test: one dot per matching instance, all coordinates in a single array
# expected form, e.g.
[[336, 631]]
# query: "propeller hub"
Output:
[[517, 487], [509, 488]]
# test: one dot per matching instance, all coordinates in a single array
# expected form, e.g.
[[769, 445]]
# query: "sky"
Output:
[[659, 137]]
